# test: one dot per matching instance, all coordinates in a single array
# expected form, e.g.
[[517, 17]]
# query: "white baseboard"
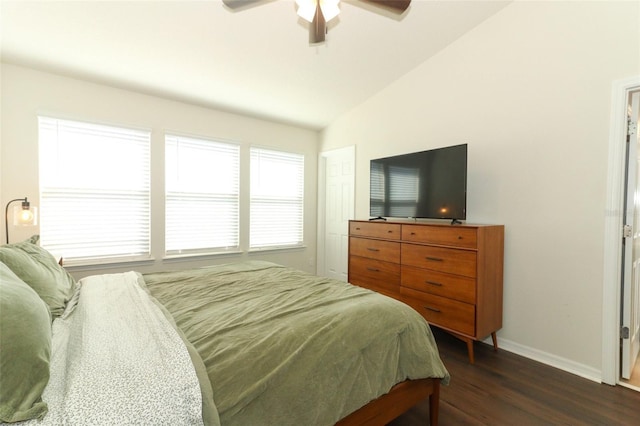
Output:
[[564, 364]]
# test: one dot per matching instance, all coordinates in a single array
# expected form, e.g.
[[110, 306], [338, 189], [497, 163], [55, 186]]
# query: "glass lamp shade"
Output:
[[307, 9], [25, 216], [329, 9]]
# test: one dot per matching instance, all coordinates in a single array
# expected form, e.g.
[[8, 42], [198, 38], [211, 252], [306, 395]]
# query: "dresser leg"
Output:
[[469, 342], [495, 341], [470, 350]]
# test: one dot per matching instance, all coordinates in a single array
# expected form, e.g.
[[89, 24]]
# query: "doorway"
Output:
[[613, 333]]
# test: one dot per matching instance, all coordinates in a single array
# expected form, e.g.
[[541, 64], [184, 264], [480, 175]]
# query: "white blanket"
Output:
[[116, 360]]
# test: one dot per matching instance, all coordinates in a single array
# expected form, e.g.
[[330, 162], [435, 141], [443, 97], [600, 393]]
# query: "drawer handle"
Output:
[[434, 259], [373, 269], [429, 308], [357, 229], [459, 237], [434, 283], [372, 249], [389, 231], [413, 233]]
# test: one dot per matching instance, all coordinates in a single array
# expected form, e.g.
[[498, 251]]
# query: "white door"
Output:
[[337, 206], [630, 328]]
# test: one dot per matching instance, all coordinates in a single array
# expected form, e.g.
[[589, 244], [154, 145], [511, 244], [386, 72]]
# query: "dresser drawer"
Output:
[[388, 251], [442, 235], [446, 313], [390, 231], [447, 285], [383, 277], [452, 261]]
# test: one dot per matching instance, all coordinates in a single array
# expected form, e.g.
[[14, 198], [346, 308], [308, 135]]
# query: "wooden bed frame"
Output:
[[400, 398]]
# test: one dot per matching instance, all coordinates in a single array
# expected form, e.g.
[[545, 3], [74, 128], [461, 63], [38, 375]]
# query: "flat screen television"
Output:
[[428, 184]]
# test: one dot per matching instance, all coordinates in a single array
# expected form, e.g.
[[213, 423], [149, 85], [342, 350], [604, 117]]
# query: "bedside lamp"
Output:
[[25, 215]]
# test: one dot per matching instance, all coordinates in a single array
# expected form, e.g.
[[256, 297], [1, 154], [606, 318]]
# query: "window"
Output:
[[94, 191], [277, 188], [202, 195]]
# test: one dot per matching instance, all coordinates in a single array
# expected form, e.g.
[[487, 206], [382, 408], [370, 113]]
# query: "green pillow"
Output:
[[38, 268], [25, 348]]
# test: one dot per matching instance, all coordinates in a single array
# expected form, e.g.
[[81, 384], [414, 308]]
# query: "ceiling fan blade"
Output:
[[318, 27], [239, 4], [395, 5]]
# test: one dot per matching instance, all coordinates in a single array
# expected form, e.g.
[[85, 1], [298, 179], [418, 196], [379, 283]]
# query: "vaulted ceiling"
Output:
[[255, 60]]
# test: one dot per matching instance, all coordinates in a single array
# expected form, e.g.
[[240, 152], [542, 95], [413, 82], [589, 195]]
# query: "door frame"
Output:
[[612, 285], [631, 256]]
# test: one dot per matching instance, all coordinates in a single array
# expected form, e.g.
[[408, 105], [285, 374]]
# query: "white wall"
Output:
[[529, 91], [27, 93]]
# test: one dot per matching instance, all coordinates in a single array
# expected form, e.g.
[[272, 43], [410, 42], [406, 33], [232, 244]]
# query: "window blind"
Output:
[[202, 195], [94, 191], [277, 198]]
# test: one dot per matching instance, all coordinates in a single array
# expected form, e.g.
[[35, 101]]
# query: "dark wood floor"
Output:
[[506, 389]]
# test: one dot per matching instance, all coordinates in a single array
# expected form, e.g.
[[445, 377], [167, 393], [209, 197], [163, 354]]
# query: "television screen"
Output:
[[428, 184]]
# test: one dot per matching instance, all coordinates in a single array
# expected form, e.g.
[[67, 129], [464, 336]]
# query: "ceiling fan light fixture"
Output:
[[319, 12]]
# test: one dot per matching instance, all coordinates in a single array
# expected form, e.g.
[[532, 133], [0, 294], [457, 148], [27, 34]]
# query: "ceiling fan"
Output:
[[319, 12]]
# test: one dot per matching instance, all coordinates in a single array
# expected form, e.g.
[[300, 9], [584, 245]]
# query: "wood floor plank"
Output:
[[502, 388]]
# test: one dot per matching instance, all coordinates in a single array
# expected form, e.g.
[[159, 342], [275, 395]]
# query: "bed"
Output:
[[237, 344]]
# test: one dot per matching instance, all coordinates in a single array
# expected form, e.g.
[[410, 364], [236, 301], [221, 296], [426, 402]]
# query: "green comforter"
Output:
[[282, 347]]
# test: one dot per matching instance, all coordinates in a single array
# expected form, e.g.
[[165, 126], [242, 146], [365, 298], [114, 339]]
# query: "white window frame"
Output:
[[276, 202], [94, 191], [202, 196]]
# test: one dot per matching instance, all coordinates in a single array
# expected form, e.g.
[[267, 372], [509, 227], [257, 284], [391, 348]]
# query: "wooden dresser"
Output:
[[451, 274]]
